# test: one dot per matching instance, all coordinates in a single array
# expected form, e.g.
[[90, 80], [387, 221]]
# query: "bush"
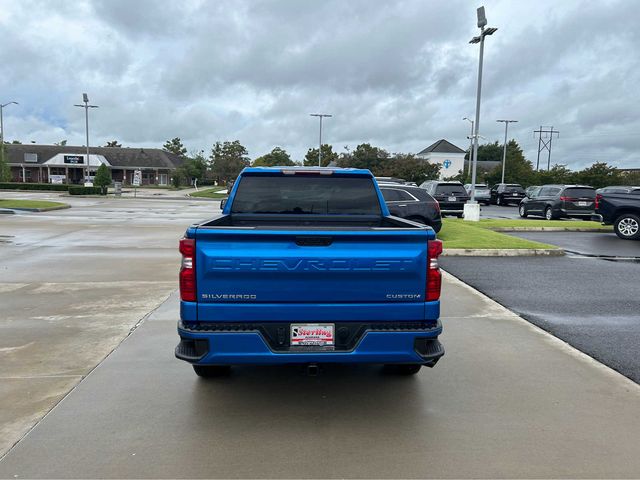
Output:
[[80, 190], [102, 178], [34, 186]]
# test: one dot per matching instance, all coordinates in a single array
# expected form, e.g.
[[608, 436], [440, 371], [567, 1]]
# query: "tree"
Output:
[[227, 160], [102, 178], [365, 156], [410, 168], [328, 156], [114, 144], [5, 171], [557, 174], [176, 146], [277, 156], [517, 168], [599, 175], [61, 143]]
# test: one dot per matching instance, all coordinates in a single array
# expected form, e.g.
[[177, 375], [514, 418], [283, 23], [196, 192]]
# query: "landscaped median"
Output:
[[31, 205], [485, 238]]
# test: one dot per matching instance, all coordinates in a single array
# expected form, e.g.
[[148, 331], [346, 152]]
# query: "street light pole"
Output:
[[504, 148], [2, 105], [321, 116], [473, 210], [86, 106], [470, 137]]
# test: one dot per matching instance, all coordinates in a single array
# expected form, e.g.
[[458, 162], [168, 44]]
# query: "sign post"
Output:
[[137, 180]]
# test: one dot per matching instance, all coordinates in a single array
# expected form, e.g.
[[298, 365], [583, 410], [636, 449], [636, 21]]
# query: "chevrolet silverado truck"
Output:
[[306, 266], [622, 210]]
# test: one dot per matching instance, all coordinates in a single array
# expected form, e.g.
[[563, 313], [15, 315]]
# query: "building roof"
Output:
[[442, 146], [116, 156]]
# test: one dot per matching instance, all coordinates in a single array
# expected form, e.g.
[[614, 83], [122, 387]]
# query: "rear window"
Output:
[[306, 195], [514, 188], [445, 189], [579, 192]]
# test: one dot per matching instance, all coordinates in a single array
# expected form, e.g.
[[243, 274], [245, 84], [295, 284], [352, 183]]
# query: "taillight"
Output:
[[437, 206], [598, 198], [568, 199], [188, 270], [434, 277]]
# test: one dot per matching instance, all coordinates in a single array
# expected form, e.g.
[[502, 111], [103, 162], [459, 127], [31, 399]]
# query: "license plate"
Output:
[[452, 199], [313, 334], [582, 204]]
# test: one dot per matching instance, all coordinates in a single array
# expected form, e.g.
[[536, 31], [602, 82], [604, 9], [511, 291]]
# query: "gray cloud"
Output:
[[398, 75]]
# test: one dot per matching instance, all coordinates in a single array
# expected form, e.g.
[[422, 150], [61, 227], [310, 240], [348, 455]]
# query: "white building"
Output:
[[446, 154]]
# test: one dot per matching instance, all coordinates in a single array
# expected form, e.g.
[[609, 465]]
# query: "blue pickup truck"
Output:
[[306, 266]]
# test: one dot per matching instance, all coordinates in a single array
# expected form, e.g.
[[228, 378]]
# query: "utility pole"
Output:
[[470, 137], [86, 106], [2, 105], [504, 149], [321, 116], [544, 143]]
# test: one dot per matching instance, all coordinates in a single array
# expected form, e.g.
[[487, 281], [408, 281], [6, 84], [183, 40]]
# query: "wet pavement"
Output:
[[598, 244], [72, 285]]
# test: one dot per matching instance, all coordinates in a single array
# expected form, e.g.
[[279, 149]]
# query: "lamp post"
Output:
[[473, 211], [504, 148], [320, 116], [86, 106], [2, 105], [470, 137]]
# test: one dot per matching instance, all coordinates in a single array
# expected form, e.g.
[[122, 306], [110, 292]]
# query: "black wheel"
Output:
[[405, 369], [522, 211], [499, 200], [627, 226], [548, 214], [459, 215], [210, 371]]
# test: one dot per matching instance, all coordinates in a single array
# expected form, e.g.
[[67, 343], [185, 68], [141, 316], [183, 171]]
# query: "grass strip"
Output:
[[210, 193], [564, 224], [18, 204], [470, 235]]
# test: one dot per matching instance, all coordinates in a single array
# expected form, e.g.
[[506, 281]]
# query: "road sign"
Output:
[[137, 178]]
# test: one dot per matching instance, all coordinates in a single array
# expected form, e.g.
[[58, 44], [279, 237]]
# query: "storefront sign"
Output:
[[57, 178], [74, 159]]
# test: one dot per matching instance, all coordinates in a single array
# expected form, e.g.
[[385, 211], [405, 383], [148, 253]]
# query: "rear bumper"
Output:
[[249, 347]]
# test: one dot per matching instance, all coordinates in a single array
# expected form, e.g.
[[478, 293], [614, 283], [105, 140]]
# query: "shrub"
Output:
[[34, 186], [102, 178], [80, 190]]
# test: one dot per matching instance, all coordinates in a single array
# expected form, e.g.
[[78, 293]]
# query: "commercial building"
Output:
[[447, 155], [66, 164]]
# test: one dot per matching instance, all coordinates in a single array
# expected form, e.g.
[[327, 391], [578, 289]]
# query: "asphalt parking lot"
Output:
[[507, 400], [597, 244]]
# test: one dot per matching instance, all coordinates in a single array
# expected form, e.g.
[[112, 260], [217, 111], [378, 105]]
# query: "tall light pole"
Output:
[[86, 106], [2, 105], [482, 23], [470, 143], [321, 116], [504, 148]]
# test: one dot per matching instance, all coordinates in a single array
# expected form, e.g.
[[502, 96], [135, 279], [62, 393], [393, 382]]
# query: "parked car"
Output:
[[616, 189], [506, 193], [390, 179], [560, 201], [411, 203], [450, 195], [483, 194], [229, 186], [308, 267], [622, 210]]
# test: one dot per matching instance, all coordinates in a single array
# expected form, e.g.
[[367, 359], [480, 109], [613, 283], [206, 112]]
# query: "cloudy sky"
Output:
[[398, 75]]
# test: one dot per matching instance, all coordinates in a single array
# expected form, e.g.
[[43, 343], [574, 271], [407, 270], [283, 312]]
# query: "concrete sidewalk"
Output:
[[507, 400]]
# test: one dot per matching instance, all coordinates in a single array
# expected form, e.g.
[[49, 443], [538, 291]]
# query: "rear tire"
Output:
[[548, 214], [627, 226], [212, 371], [523, 211], [404, 369], [459, 215], [499, 201]]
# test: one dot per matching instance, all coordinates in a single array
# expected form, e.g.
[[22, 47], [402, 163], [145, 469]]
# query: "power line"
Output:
[[544, 143]]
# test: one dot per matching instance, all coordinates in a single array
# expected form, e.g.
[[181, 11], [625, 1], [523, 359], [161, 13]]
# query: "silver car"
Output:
[[483, 194]]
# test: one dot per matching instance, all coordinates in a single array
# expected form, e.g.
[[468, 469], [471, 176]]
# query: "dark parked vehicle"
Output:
[[560, 201], [450, 195], [622, 210], [532, 191], [483, 194], [230, 186], [506, 193], [411, 203]]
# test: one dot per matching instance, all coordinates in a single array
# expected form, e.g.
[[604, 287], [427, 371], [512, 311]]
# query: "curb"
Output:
[[46, 209], [550, 229], [502, 252], [6, 211]]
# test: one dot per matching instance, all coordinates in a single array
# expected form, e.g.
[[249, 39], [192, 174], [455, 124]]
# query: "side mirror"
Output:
[[223, 202]]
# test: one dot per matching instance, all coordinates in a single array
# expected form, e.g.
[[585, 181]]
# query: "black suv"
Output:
[[450, 195], [412, 203], [506, 193], [560, 201]]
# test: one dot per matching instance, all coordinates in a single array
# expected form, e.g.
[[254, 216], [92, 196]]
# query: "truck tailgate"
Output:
[[266, 270]]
